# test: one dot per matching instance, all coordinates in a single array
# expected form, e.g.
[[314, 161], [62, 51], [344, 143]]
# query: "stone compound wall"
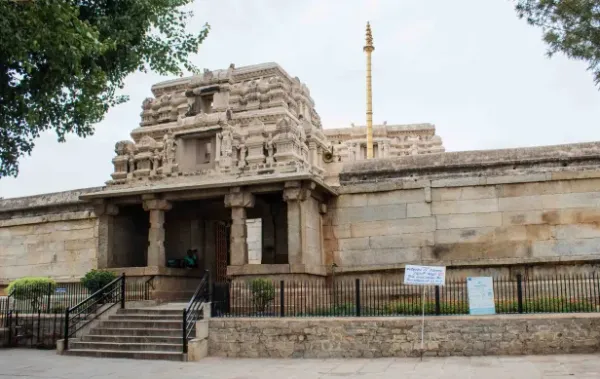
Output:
[[51, 235], [468, 209], [401, 337]]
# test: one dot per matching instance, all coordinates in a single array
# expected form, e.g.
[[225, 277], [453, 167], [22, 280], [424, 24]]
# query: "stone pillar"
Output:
[[294, 194], [156, 234], [105, 213], [312, 157], [238, 201]]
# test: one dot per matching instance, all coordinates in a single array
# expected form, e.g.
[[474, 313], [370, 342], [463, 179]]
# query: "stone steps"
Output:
[[151, 311], [140, 332], [156, 355], [133, 339], [142, 317], [141, 324], [126, 346]]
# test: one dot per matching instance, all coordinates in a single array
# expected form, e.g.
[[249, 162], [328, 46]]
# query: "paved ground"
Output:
[[25, 364]]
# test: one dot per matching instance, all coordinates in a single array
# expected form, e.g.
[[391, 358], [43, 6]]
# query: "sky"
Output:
[[470, 67]]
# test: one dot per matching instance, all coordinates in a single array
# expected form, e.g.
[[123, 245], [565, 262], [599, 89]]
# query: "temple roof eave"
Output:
[[110, 192]]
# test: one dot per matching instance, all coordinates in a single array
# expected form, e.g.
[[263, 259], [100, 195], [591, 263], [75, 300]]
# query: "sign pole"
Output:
[[423, 319]]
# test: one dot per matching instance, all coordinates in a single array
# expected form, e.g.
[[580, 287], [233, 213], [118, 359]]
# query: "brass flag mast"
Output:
[[369, 49]]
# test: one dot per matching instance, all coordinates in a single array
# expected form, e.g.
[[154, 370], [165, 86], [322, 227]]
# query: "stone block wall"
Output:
[[51, 235], [313, 239], [514, 207], [401, 337]]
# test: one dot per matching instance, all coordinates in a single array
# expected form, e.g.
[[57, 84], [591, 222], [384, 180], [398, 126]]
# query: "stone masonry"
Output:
[[216, 150], [401, 337]]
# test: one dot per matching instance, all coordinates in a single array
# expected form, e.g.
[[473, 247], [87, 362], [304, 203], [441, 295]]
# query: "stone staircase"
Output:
[[140, 333]]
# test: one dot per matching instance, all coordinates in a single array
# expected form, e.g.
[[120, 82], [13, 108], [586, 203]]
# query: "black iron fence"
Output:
[[264, 298], [35, 316]]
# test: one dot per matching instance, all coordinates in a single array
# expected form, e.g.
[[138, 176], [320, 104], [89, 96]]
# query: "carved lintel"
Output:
[[157, 204], [239, 200], [296, 194]]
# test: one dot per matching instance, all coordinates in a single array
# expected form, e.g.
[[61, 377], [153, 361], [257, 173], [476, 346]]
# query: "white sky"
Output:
[[470, 67]]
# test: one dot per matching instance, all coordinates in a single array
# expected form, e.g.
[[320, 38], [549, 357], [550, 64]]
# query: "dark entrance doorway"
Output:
[[222, 229]]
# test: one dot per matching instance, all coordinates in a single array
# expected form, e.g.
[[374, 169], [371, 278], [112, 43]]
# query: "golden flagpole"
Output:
[[369, 49]]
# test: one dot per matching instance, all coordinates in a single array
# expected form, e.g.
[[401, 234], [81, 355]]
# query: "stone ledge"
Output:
[[46, 200], [457, 165], [55, 217], [486, 263], [394, 185], [157, 271], [275, 269]]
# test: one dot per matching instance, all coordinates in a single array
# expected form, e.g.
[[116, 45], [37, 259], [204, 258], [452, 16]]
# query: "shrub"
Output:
[[96, 279], [263, 293], [32, 289]]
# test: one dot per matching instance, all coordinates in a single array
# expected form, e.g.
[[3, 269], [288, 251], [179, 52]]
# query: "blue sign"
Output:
[[481, 295], [61, 290]]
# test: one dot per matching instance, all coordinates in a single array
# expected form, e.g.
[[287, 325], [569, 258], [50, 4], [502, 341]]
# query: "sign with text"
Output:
[[481, 295], [425, 275], [60, 290]]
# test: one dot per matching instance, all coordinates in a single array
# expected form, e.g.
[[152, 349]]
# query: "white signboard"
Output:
[[481, 295], [425, 275]]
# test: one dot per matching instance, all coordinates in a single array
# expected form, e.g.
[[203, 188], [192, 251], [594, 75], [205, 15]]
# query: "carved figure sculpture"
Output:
[[270, 147], [243, 150]]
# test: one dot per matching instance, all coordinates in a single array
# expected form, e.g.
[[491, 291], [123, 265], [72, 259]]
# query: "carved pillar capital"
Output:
[[296, 191], [239, 200], [157, 205]]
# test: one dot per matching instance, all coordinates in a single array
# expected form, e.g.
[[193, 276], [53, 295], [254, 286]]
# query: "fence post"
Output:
[[123, 291], [281, 299], [357, 297], [9, 320], [49, 295], [438, 310], [184, 335], [519, 293], [66, 336]]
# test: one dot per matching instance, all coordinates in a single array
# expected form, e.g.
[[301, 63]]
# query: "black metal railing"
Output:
[[49, 299], [342, 297], [96, 304], [191, 313]]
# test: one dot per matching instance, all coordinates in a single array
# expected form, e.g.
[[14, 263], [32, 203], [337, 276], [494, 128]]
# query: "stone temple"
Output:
[[236, 164]]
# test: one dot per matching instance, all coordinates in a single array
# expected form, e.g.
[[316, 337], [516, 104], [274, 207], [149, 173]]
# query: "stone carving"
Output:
[[242, 155], [270, 149], [169, 154], [392, 141], [226, 147], [254, 142], [123, 150], [259, 120]]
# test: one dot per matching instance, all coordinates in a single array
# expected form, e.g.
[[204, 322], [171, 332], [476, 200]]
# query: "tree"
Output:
[[63, 61], [569, 26]]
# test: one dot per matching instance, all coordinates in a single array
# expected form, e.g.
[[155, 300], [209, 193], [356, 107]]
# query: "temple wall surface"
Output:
[[51, 235], [476, 209]]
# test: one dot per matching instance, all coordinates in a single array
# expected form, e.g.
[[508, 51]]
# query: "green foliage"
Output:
[[571, 27], [32, 289], [94, 280], [58, 308], [345, 309], [262, 292], [413, 307], [63, 61]]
